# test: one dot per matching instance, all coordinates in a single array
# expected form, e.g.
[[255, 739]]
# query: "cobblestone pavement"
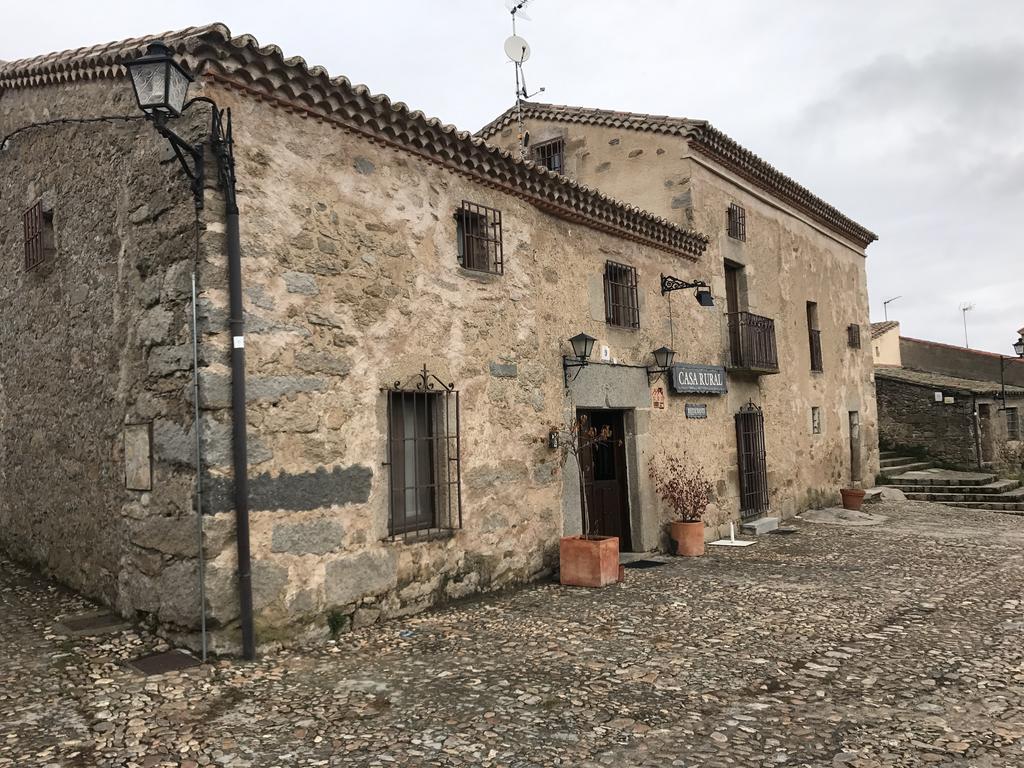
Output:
[[893, 645]]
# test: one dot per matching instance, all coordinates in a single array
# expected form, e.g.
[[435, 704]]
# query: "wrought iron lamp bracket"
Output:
[[653, 374], [569, 363], [670, 283]]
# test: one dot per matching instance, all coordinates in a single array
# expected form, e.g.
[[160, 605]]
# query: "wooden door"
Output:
[[604, 479]]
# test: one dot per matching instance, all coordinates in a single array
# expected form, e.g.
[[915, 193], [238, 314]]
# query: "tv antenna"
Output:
[[518, 51], [964, 309], [886, 303]]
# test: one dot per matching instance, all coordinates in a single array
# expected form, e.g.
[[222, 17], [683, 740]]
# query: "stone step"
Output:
[[888, 454], [1013, 508], [899, 469], [981, 498], [997, 487], [900, 482], [893, 461], [760, 526]]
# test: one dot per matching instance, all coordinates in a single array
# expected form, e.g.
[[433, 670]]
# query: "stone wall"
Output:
[[964, 363], [909, 420], [95, 354]]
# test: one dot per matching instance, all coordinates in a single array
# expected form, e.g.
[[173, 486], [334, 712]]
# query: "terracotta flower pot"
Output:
[[852, 497], [689, 538], [588, 562]]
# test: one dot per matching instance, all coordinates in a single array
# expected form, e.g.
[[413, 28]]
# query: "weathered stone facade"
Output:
[[788, 258], [352, 283]]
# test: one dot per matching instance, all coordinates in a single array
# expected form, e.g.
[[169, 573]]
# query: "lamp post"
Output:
[[161, 87]]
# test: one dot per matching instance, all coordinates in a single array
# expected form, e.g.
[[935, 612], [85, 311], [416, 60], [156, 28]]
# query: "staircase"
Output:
[[968, 490]]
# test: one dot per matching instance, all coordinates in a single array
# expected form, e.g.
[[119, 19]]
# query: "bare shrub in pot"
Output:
[[686, 490]]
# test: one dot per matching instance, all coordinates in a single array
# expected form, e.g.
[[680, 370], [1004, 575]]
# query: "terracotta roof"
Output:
[[942, 383], [240, 62], [877, 329], [707, 140]]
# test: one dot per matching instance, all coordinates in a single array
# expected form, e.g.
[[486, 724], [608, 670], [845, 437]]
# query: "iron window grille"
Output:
[[815, 420], [479, 238], [621, 302], [737, 222], [753, 464], [551, 154], [39, 242], [1012, 424], [424, 448], [853, 336]]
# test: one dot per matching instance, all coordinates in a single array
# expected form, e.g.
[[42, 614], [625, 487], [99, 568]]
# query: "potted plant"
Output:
[[852, 498], [686, 490], [587, 560]]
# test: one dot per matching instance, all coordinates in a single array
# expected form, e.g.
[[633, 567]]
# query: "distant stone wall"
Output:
[[961, 362], [910, 419]]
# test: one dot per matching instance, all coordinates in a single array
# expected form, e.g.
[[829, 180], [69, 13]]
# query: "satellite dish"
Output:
[[517, 49]]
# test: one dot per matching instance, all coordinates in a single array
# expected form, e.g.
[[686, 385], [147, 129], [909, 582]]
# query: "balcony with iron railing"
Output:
[[752, 345]]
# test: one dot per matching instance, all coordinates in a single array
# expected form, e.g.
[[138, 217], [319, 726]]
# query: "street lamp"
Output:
[[161, 87], [1018, 346], [582, 346], [663, 357], [160, 83], [702, 291]]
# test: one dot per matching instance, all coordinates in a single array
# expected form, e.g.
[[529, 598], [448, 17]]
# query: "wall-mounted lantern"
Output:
[[582, 346], [1018, 346], [702, 291], [160, 83], [663, 357]]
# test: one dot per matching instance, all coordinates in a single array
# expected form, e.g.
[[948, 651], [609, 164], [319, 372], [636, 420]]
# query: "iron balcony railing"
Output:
[[816, 363], [752, 343]]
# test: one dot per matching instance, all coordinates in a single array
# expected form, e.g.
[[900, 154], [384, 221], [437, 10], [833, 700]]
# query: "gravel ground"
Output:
[[893, 645]]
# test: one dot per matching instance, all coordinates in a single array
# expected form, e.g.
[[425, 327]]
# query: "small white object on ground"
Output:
[[731, 541]]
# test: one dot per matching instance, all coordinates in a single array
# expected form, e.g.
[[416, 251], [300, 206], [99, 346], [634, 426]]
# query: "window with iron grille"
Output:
[[1012, 424], [39, 242], [815, 420], [737, 222], [479, 238], [853, 336], [551, 155], [621, 303], [425, 478]]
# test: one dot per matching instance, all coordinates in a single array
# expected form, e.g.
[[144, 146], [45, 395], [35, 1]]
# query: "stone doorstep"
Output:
[[99, 622], [760, 526]]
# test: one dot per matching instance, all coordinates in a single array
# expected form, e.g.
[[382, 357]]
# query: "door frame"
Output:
[[621, 460]]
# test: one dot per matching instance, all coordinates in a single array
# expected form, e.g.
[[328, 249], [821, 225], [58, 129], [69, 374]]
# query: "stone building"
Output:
[[787, 268], [410, 294], [956, 406]]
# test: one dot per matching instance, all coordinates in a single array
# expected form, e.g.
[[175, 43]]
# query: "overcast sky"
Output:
[[907, 115]]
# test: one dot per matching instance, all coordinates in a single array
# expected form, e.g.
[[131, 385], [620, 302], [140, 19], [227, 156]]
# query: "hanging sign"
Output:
[[707, 379]]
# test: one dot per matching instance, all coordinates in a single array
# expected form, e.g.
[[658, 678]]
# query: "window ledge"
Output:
[[479, 275], [419, 537]]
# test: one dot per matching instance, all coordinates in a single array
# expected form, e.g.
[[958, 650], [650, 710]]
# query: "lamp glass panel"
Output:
[[177, 88], [148, 80], [663, 357]]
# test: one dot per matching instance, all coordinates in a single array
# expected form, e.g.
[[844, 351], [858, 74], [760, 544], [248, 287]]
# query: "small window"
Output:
[[853, 336], [479, 238], [621, 304], [737, 222], [39, 241], [814, 337], [551, 155], [425, 489], [1012, 424], [815, 420]]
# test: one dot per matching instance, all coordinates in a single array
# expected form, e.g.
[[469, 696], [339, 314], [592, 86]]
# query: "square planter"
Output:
[[589, 562]]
